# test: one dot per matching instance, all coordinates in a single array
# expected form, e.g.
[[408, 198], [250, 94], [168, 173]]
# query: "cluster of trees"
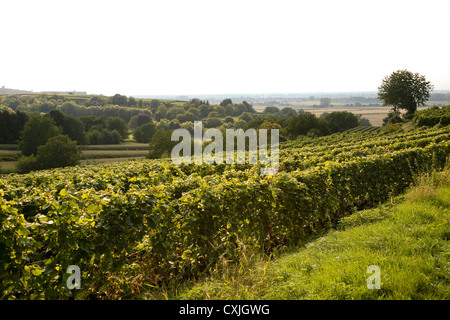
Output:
[[303, 124], [47, 102], [308, 124], [11, 125], [59, 151], [43, 146], [126, 107], [50, 140], [109, 120], [106, 111], [99, 130], [83, 130], [227, 115], [76, 106], [197, 109], [167, 115], [91, 129]]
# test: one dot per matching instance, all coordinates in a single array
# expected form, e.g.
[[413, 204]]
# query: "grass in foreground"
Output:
[[408, 239]]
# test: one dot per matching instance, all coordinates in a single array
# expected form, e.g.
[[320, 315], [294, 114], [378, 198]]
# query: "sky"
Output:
[[188, 47]]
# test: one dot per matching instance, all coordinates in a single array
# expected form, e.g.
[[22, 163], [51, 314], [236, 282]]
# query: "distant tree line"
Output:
[[289, 126], [110, 120]]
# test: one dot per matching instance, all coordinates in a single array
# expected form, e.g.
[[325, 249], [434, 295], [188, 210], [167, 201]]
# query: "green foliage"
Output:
[[135, 225], [27, 164], [433, 116], [72, 127], [229, 119], [59, 151], [144, 133], [161, 144], [226, 102], [11, 125], [213, 122], [301, 124], [118, 124], [404, 90], [393, 127], [173, 112], [94, 137], [405, 237], [132, 102], [288, 112], [119, 100], [37, 131], [340, 121], [393, 117], [328, 123], [104, 136], [93, 123], [364, 122], [140, 120], [110, 136], [271, 110]]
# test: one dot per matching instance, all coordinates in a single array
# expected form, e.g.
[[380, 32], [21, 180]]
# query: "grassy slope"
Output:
[[407, 238]]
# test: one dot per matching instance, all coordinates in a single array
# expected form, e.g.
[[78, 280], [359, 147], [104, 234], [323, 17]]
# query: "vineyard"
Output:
[[136, 225]]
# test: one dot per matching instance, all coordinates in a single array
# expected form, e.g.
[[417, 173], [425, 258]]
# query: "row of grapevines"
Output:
[[150, 221]]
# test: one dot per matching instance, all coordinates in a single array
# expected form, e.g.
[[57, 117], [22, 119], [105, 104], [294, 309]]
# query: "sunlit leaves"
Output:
[[156, 221]]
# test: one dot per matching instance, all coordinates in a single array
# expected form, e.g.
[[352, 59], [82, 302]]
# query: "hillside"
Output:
[[4, 90], [136, 228], [407, 238]]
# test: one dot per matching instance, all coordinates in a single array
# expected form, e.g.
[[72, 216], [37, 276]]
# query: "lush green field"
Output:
[[135, 228]]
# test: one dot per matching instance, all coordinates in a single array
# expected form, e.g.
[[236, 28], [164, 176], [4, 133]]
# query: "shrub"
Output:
[[36, 132], [103, 137], [118, 124], [145, 132], [432, 116], [94, 137], [161, 144], [27, 164], [58, 152], [213, 122]]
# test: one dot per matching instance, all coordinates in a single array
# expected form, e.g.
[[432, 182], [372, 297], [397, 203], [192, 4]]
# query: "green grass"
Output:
[[408, 238], [4, 147], [7, 166], [102, 154], [122, 146]]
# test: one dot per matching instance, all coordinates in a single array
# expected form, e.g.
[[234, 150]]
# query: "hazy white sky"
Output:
[[206, 46]]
